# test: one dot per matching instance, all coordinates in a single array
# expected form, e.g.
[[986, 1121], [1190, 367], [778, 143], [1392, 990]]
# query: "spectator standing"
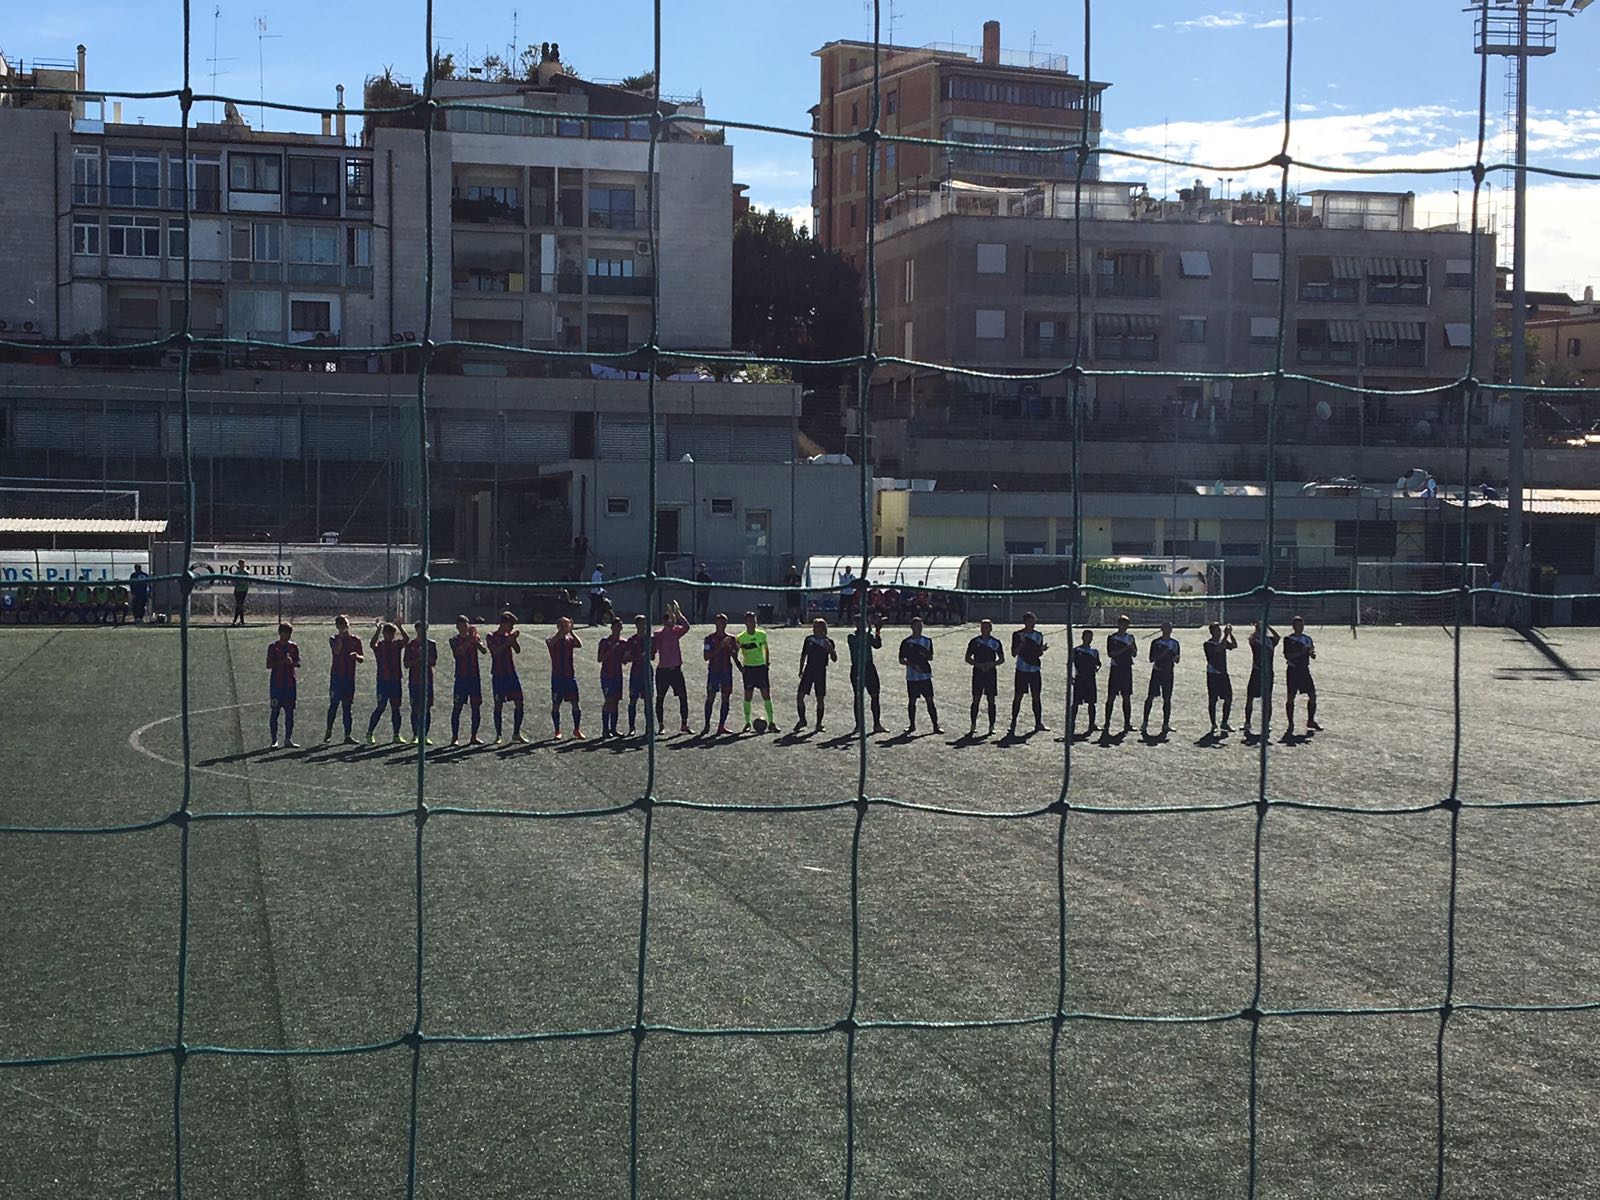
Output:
[[702, 594], [241, 590], [597, 593], [793, 599]]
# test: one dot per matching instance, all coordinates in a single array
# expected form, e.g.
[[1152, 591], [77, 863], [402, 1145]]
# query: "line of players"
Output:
[[398, 655]]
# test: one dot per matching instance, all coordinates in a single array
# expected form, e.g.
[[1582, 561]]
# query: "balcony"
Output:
[[1053, 283], [621, 220], [255, 272], [1327, 356], [620, 285], [1397, 354], [319, 274], [1053, 348], [1324, 291], [1126, 349], [1397, 293], [1128, 287], [485, 211], [569, 283]]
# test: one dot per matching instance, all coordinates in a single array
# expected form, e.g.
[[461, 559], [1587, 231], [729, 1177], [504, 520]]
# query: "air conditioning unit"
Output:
[[642, 248], [4, 326], [29, 327]]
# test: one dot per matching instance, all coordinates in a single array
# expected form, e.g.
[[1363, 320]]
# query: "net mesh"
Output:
[[1453, 590]]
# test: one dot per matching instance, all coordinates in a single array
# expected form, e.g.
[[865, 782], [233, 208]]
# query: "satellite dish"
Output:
[[1324, 409]]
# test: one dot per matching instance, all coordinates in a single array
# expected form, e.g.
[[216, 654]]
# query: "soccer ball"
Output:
[[759, 725]]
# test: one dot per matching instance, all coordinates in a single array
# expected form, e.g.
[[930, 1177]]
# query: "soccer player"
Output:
[[1218, 685], [388, 654], [1122, 649], [612, 653], [1085, 666], [241, 589], [1164, 655], [1259, 647], [465, 648], [916, 655], [346, 649], [1027, 648], [504, 645], [421, 656], [720, 651], [283, 660], [816, 652], [984, 656], [669, 666], [1298, 651], [641, 649], [863, 673], [564, 647], [755, 661]]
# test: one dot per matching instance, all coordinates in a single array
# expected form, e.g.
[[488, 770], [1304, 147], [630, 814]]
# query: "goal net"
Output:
[[1417, 593]]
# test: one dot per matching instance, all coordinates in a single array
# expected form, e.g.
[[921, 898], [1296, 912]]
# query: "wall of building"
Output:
[[37, 186]]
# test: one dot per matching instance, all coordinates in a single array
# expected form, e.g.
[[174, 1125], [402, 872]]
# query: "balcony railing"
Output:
[[1127, 349], [620, 285], [324, 274], [569, 285], [255, 272], [1330, 292], [1057, 347], [1053, 283], [1402, 293], [1332, 356], [601, 218], [1405, 354], [485, 212], [1128, 287]]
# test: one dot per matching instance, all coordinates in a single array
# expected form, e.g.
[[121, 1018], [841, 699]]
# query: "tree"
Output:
[[642, 82], [444, 65], [792, 298], [1502, 357]]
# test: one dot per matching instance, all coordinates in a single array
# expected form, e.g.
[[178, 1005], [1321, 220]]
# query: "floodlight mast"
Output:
[[1506, 28]]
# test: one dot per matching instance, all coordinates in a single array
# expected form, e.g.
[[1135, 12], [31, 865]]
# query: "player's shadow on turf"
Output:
[[1155, 739], [839, 741], [224, 759], [968, 740], [1212, 740]]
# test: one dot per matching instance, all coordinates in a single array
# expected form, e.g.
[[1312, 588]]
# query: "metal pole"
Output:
[[1515, 537]]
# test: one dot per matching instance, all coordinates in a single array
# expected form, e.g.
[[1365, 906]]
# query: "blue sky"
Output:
[[1378, 83]]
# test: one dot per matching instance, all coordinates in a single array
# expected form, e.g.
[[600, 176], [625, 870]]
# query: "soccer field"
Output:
[[302, 937]]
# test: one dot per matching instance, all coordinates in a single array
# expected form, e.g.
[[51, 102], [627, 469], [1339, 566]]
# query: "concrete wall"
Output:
[[36, 164]]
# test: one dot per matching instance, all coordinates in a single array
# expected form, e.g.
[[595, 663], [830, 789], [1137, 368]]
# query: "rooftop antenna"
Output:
[[511, 48], [261, 68], [216, 16]]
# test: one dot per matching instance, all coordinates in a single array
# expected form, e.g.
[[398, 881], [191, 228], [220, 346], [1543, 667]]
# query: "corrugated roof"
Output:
[[53, 525], [1577, 502]]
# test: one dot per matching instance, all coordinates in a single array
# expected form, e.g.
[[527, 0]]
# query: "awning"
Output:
[[1398, 268], [1348, 266], [1123, 323], [46, 526], [1397, 331], [1195, 264], [1381, 266], [1458, 334], [1344, 331]]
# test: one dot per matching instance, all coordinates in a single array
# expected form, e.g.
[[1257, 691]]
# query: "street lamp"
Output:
[[1519, 29]]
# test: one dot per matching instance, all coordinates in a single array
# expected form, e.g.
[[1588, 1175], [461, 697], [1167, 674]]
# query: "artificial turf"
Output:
[[301, 936]]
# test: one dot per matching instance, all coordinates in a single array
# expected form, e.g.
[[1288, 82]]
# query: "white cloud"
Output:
[[1233, 19], [800, 214]]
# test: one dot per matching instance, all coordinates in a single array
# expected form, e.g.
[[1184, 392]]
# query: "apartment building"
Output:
[[978, 95], [1019, 279]]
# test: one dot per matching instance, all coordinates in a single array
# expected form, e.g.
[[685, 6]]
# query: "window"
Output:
[[133, 178], [1458, 272], [255, 249], [991, 258], [1266, 268], [313, 254], [311, 316], [1574, 347], [855, 166], [314, 186], [722, 506], [757, 532], [358, 246], [612, 208], [133, 237], [990, 91], [177, 238], [855, 113], [254, 314], [991, 323], [358, 185], [1458, 335], [608, 331], [889, 156], [618, 506], [137, 310], [86, 237], [203, 178], [611, 268], [255, 173], [908, 340], [910, 270], [85, 175], [1194, 264], [1365, 539], [1191, 329], [1263, 330], [852, 215], [892, 104]]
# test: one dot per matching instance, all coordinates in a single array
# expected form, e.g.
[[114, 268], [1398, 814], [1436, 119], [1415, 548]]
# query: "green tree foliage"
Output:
[[1502, 357], [642, 82], [792, 298]]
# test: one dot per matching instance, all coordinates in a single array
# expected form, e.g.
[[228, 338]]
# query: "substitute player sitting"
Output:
[[816, 652], [1164, 655], [504, 645], [1218, 685], [1298, 651], [984, 656], [755, 661], [388, 654], [916, 655], [465, 648], [346, 650], [720, 650], [421, 656], [1085, 668], [612, 654], [283, 660], [1121, 649], [564, 647]]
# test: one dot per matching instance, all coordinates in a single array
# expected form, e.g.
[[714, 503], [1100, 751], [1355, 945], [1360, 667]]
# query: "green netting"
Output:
[[1250, 1011]]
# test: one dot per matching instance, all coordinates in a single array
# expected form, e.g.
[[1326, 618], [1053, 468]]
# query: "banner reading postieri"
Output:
[[1157, 582]]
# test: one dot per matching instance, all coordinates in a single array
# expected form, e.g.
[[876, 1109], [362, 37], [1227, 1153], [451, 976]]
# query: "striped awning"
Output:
[[1398, 331], [1126, 323], [1397, 268], [1348, 266], [1344, 331], [50, 525]]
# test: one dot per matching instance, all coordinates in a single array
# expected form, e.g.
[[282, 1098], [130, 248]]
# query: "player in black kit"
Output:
[[1298, 651], [1085, 666], [1218, 685], [1260, 648], [1164, 655], [815, 654], [1122, 650], [984, 656]]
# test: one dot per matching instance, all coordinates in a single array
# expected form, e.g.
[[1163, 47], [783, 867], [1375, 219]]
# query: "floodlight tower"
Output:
[[1520, 29]]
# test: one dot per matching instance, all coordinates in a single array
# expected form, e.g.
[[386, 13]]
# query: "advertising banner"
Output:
[[22, 567], [1159, 582]]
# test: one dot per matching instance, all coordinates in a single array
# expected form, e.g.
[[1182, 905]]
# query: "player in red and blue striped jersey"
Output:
[[721, 652], [641, 649], [504, 646], [421, 656], [389, 654], [563, 649], [465, 648], [612, 654], [346, 649], [283, 660]]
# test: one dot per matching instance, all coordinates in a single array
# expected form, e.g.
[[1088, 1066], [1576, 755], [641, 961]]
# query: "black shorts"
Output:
[[1300, 681], [871, 685], [1218, 687], [755, 678], [919, 689], [1028, 682], [814, 680], [1119, 683], [1084, 689], [984, 683], [1160, 684], [1253, 688]]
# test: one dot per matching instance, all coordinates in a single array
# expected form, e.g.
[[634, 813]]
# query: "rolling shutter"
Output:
[[543, 439], [236, 435]]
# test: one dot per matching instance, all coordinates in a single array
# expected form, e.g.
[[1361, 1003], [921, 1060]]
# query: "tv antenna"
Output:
[[891, 10], [216, 17], [261, 67]]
